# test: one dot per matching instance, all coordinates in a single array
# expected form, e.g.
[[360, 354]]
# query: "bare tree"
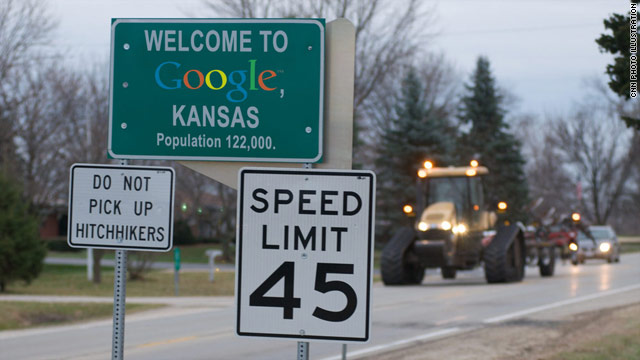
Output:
[[388, 34], [547, 178], [25, 26], [88, 130], [53, 102], [596, 145]]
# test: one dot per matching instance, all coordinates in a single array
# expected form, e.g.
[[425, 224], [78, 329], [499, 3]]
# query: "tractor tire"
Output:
[[547, 261], [504, 257], [414, 274], [448, 272], [393, 266]]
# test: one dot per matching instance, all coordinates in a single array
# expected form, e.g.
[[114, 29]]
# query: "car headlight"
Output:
[[459, 229], [445, 225], [605, 247], [573, 247], [423, 226]]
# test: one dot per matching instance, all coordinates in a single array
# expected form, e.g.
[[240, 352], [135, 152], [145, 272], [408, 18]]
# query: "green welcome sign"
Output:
[[217, 89]]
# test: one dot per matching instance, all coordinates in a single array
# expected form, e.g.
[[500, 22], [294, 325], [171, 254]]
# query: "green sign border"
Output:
[[315, 159]]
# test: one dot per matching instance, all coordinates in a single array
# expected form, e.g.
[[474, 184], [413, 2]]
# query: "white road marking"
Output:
[[373, 349], [522, 313]]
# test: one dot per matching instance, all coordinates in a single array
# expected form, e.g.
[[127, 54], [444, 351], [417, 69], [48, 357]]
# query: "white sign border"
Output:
[[122, 167], [218, 158], [370, 237]]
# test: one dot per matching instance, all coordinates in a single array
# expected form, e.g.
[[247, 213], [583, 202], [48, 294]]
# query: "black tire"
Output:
[[448, 272], [547, 261], [413, 274], [393, 266], [610, 259], [504, 258]]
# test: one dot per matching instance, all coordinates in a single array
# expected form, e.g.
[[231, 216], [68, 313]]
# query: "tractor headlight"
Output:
[[605, 247], [423, 226], [459, 229], [573, 247], [445, 225]]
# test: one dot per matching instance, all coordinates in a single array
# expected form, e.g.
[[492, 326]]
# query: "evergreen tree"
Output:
[[617, 44], [21, 250], [491, 143], [417, 132]]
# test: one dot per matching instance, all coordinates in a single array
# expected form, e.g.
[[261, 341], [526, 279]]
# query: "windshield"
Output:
[[448, 189], [598, 234]]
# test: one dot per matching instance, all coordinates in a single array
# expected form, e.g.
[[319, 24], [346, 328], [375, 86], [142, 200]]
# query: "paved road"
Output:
[[401, 316]]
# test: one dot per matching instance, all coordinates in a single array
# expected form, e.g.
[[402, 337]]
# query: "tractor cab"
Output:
[[451, 202]]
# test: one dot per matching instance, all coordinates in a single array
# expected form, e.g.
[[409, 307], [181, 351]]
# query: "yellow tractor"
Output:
[[455, 230]]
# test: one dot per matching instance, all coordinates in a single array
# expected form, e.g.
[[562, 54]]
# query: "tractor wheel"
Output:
[[413, 274], [504, 257], [394, 268], [448, 272], [547, 261]]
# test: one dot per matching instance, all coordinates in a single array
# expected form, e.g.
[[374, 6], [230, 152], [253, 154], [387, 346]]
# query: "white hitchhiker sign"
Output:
[[305, 254], [121, 207]]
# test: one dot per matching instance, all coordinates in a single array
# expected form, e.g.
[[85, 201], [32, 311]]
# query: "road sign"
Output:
[[304, 254], [121, 207], [217, 89]]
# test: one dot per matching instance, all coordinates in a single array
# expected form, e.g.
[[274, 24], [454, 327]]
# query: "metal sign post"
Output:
[[119, 296], [303, 350]]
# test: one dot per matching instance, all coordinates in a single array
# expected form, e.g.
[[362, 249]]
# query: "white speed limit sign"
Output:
[[305, 254]]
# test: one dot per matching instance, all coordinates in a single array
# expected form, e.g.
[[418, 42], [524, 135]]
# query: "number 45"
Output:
[[288, 302]]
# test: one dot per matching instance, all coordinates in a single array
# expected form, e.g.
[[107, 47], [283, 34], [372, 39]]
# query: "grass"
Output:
[[188, 253], [622, 346], [72, 280], [20, 315], [629, 247]]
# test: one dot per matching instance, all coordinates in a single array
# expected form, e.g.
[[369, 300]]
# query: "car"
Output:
[[606, 245]]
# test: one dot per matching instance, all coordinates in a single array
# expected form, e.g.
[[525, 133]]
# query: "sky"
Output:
[[541, 51]]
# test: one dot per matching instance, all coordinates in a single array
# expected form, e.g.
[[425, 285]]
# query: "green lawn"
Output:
[[72, 280], [20, 315], [188, 253], [628, 247]]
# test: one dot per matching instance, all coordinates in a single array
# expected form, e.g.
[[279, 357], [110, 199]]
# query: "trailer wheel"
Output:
[[504, 256], [448, 272], [547, 261], [394, 267]]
